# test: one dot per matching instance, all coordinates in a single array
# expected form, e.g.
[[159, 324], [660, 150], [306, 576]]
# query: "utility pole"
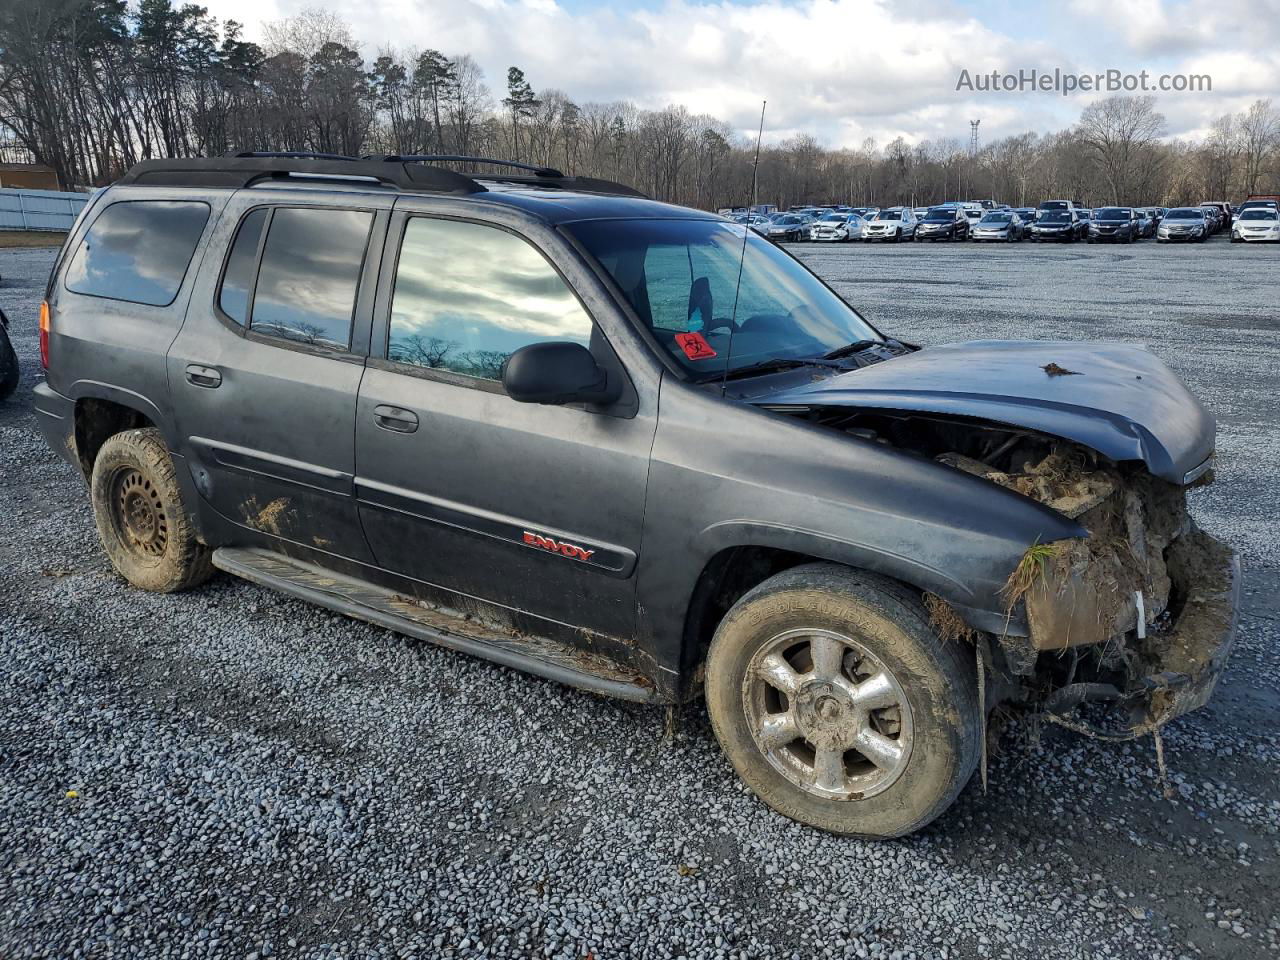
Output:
[[973, 138]]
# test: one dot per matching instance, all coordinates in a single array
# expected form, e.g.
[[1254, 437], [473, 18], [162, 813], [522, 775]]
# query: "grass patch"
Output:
[[1030, 569]]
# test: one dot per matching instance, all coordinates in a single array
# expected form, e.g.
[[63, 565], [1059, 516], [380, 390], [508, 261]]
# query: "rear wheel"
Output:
[[137, 506], [839, 706]]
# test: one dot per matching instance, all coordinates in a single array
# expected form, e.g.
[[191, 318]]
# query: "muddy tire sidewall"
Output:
[[184, 561], [938, 679]]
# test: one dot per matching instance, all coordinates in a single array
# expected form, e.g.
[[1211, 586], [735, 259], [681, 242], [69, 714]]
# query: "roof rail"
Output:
[[244, 171], [288, 154], [542, 176], [444, 158], [411, 173]]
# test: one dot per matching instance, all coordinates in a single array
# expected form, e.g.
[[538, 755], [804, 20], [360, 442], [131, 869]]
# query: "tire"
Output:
[[142, 524], [10, 371], [882, 629]]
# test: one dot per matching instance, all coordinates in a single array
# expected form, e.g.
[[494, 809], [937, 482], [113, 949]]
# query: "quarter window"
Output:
[[138, 251], [237, 280], [467, 296]]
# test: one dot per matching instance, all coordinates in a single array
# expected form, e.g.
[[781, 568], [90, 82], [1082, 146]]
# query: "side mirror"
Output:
[[557, 372]]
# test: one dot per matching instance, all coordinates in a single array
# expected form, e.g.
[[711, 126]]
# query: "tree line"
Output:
[[90, 87]]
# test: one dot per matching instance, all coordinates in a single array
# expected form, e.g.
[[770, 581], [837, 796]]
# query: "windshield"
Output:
[[1055, 216], [1111, 213], [836, 217], [997, 218], [1259, 213], [889, 215], [787, 220], [680, 277], [941, 214], [1185, 213]]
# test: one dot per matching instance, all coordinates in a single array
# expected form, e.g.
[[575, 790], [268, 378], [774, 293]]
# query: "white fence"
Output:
[[39, 209]]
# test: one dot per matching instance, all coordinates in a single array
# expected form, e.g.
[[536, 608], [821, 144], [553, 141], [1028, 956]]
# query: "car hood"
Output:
[[1118, 399]]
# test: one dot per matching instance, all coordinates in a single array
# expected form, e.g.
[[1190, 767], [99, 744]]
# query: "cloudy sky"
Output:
[[841, 70]]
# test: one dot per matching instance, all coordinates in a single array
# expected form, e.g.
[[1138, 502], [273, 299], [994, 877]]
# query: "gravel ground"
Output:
[[232, 773]]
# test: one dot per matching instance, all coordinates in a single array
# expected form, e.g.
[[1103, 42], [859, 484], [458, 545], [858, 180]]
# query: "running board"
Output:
[[438, 625]]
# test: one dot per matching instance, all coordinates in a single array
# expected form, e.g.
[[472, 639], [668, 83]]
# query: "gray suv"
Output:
[[639, 449]]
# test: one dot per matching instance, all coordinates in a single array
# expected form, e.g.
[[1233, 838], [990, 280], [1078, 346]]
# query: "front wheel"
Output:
[[839, 706], [137, 506]]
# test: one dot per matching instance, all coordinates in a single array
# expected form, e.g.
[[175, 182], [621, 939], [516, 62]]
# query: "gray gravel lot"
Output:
[[256, 777]]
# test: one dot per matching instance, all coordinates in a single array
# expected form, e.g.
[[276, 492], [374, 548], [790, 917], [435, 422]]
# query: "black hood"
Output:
[[1118, 399]]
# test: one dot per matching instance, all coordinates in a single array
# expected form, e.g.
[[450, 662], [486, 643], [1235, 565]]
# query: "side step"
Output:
[[447, 628]]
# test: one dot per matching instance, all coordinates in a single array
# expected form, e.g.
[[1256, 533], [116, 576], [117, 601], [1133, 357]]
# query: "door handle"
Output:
[[395, 418], [203, 376]]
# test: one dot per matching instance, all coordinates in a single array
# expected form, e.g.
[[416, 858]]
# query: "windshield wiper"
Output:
[[777, 363], [849, 349]]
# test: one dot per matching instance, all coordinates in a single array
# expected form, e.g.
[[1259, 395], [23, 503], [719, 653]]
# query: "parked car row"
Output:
[[1062, 221]]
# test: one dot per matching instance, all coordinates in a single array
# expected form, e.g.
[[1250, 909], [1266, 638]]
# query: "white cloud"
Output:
[[839, 69]]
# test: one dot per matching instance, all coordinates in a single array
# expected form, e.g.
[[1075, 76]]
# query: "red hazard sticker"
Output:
[[695, 346]]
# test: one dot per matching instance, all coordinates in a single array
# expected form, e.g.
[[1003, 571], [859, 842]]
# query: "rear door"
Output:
[[534, 508], [266, 370]]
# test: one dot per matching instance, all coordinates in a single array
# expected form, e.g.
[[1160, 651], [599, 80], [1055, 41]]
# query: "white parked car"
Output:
[[1260, 224], [837, 228], [895, 223]]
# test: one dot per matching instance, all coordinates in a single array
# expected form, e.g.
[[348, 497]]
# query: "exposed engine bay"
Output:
[[1135, 614]]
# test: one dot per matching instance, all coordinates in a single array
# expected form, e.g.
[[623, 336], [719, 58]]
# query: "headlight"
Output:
[[1197, 230]]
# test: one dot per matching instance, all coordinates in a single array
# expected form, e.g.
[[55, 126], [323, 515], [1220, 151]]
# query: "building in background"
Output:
[[28, 176]]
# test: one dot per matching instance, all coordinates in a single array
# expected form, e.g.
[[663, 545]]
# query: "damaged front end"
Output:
[[1141, 611], [1141, 614]]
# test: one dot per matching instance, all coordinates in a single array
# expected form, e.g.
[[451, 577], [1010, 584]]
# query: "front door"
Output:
[[534, 508], [266, 369]]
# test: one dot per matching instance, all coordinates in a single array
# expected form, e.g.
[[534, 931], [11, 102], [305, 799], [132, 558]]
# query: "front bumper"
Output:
[[990, 234], [1175, 669], [1260, 237], [56, 416]]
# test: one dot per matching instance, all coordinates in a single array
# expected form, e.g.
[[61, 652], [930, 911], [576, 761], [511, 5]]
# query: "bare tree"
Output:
[[1115, 131], [1258, 129]]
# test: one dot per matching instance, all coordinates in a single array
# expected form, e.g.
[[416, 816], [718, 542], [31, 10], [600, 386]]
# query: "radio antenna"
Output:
[[746, 232]]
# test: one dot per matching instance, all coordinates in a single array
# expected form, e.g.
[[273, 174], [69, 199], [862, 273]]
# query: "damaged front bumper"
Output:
[[1174, 669]]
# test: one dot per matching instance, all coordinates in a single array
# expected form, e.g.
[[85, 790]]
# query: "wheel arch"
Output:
[[742, 555], [99, 417]]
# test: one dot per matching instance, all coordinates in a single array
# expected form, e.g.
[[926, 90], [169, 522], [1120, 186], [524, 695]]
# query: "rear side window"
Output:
[[467, 296], [303, 287], [138, 251]]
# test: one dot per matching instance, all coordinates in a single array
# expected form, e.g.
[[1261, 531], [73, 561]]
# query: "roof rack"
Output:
[[542, 176], [443, 158], [411, 173], [288, 154], [243, 171]]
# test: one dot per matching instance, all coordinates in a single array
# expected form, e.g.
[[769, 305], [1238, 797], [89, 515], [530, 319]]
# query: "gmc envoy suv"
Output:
[[638, 449]]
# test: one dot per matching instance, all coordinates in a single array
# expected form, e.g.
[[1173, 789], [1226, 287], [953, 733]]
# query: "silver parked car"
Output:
[[895, 223], [1256, 224], [837, 228], [1004, 225], [1184, 223]]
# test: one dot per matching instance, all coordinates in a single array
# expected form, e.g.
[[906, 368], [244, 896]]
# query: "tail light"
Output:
[[44, 334]]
